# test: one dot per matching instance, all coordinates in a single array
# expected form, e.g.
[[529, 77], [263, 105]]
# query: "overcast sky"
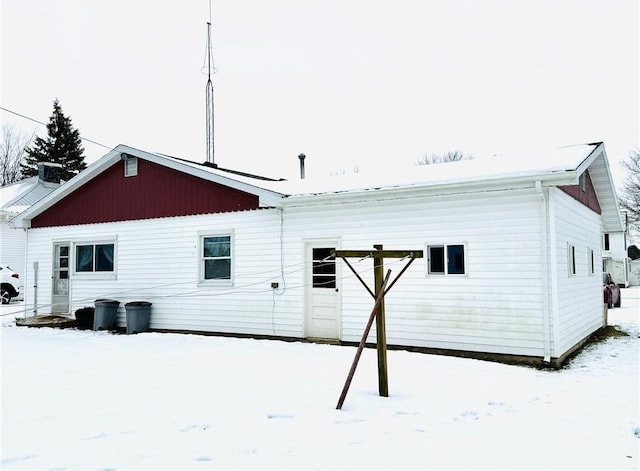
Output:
[[347, 82]]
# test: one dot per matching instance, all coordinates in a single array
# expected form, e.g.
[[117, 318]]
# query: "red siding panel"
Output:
[[155, 192], [588, 198]]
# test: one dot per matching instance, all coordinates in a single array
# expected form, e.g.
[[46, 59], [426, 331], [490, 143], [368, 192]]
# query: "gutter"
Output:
[[404, 191], [544, 244]]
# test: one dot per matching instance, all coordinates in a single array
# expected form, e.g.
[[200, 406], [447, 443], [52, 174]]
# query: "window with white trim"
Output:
[[591, 261], [216, 253], [446, 259], [95, 257], [571, 259]]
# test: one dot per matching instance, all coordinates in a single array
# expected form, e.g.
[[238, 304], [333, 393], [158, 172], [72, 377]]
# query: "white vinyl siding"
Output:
[[579, 298], [496, 307], [158, 261], [12, 249]]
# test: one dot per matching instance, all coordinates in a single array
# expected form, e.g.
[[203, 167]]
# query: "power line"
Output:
[[44, 124]]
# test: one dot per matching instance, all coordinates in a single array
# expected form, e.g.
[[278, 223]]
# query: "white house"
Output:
[[14, 199], [513, 250], [614, 256]]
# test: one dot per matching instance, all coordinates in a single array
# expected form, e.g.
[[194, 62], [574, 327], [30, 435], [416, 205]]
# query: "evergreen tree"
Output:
[[61, 146]]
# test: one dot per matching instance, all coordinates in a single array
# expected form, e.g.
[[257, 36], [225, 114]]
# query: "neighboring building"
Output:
[[634, 272], [14, 199], [512, 250], [615, 259]]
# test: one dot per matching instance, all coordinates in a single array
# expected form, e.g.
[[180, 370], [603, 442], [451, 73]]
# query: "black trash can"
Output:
[[105, 314], [138, 315], [84, 318]]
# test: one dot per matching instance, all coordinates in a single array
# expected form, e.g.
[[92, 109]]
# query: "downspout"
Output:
[[544, 245], [35, 278], [26, 271]]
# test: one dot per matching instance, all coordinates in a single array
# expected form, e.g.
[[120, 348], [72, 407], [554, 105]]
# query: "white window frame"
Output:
[[201, 259], [427, 257], [93, 274], [572, 268]]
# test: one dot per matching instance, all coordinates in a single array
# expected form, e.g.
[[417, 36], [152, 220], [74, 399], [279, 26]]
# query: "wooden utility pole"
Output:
[[363, 341], [380, 290], [381, 327]]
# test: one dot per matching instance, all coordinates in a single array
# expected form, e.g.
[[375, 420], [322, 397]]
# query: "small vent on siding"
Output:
[[130, 165]]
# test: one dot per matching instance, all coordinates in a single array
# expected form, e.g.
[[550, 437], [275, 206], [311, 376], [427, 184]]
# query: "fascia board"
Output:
[[548, 180], [24, 219], [266, 197]]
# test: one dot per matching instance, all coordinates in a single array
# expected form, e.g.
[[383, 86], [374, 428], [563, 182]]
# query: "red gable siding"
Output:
[[155, 192], [588, 198]]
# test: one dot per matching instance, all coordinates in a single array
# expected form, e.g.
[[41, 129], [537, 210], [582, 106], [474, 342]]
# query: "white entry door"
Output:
[[60, 278], [322, 292]]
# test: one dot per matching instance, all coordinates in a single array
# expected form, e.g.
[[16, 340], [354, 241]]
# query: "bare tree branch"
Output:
[[12, 152], [630, 194], [451, 156]]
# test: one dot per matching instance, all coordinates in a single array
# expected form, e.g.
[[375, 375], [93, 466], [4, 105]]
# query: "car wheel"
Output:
[[619, 301], [6, 297]]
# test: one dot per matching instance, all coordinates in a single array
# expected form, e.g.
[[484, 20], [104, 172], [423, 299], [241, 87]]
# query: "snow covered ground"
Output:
[[83, 400]]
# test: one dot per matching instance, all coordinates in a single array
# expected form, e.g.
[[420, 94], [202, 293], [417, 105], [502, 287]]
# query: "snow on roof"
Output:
[[21, 195], [529, 164], [10, 192], [525, 164]]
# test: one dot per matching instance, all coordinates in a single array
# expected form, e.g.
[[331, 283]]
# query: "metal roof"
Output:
[[19, 196]]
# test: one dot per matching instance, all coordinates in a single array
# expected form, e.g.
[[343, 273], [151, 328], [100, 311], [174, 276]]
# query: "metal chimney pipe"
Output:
[[302, 157]]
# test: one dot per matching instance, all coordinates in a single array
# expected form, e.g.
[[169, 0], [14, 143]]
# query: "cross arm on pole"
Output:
[[378, 253]]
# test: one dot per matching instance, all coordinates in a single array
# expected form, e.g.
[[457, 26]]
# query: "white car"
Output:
[[10, 284]]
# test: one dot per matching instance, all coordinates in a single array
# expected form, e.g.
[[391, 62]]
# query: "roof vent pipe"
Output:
[[302, 157]]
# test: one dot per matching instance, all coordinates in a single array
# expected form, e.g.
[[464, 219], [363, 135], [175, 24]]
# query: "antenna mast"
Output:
[[209, 94]]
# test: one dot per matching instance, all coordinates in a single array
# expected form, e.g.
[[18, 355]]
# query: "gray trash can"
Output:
[[138, 315], [104, 317]]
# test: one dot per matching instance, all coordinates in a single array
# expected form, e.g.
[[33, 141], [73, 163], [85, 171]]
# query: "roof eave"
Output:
[[556, 178]]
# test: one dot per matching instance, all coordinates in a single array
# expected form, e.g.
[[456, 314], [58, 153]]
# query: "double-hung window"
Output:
[[446, 259], [216, 253], [95, 257]]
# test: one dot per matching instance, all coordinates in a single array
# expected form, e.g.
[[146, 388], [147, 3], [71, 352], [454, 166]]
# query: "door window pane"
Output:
[[324, 268]]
